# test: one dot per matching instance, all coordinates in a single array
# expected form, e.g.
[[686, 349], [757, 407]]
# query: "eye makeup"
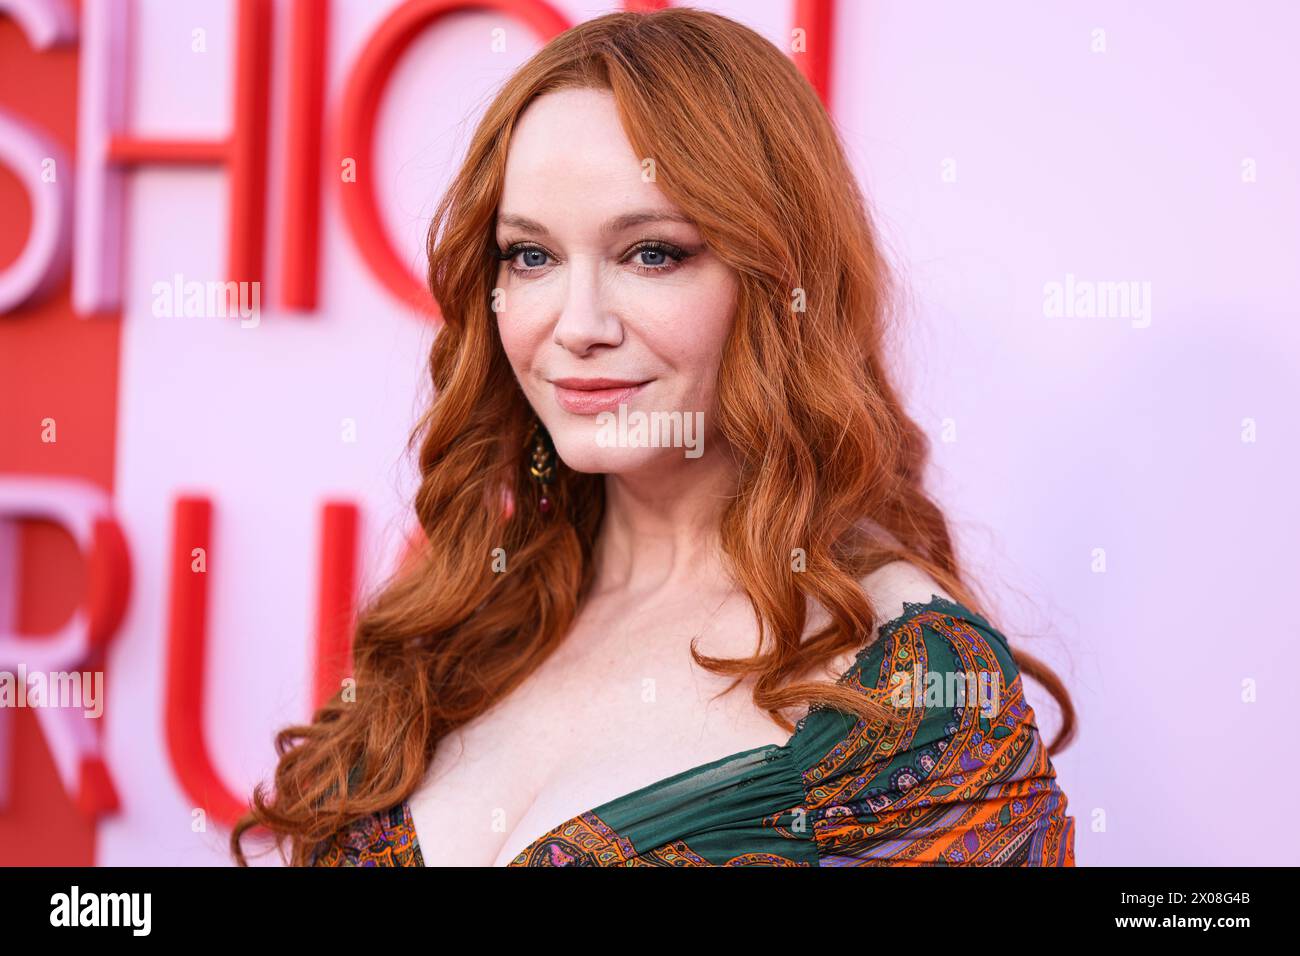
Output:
[[672, 256]]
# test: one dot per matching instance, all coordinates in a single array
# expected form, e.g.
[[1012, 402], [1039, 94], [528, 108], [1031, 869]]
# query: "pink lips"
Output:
[[590, 396]]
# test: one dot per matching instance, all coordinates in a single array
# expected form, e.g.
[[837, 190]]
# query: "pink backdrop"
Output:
[[1124, 484]]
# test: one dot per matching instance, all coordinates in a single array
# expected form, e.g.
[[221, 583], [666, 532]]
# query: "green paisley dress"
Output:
[[964, 780]]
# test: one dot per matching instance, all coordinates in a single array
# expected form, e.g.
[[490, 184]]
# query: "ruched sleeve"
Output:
[[962, 779], [386, 838]]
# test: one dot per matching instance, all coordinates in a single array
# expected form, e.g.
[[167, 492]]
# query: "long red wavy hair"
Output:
[[829, 462]]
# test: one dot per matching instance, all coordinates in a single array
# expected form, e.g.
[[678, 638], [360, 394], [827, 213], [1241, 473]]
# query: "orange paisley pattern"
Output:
[[959, 782]]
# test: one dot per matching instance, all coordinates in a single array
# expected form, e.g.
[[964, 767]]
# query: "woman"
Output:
[[669, 495]]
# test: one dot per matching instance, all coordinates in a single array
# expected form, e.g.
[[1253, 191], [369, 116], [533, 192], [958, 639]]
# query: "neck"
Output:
[[661, 529]]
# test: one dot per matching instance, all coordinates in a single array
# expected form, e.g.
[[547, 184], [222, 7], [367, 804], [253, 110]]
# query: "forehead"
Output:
[[568, 154]]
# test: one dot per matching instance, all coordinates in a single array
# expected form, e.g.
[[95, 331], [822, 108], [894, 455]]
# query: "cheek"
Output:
[[697, 328], [717, 316], [512, 343], [523, 334]]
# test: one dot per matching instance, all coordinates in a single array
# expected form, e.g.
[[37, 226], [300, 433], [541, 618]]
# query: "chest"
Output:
[[620, 705]]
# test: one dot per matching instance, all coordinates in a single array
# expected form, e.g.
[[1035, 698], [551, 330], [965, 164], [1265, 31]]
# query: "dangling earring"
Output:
[[542, 464]]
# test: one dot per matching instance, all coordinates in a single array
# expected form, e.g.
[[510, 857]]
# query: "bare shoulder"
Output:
[[889, 589], [900, 587], [897, 584]]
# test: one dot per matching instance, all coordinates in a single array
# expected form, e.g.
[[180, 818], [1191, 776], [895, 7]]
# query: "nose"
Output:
[[586, 321]]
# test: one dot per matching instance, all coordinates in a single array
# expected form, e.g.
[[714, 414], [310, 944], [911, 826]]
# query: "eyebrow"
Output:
[[614, 226]]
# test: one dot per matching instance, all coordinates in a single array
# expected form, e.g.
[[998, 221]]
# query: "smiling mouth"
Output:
[[594, 395]]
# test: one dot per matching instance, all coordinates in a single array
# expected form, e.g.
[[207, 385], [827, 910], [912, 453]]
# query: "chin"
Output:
[[578, 446]]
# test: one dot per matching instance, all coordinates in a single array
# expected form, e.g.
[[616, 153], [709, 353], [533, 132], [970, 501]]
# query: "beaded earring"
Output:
[[542, 463]]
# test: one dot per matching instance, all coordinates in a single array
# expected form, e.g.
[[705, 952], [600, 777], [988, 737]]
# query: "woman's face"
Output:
[[606, 298]]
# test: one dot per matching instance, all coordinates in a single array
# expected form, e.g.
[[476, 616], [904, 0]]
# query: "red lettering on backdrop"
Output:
[[34, 156], [307, 46], [80, 646], [244, 152], [63, 575], [816, 18], [335, 598], [187, 629], [355, 135], [187, 639], [365, 87]]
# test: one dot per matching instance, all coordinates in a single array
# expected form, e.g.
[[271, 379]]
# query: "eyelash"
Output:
[[675, 253]]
